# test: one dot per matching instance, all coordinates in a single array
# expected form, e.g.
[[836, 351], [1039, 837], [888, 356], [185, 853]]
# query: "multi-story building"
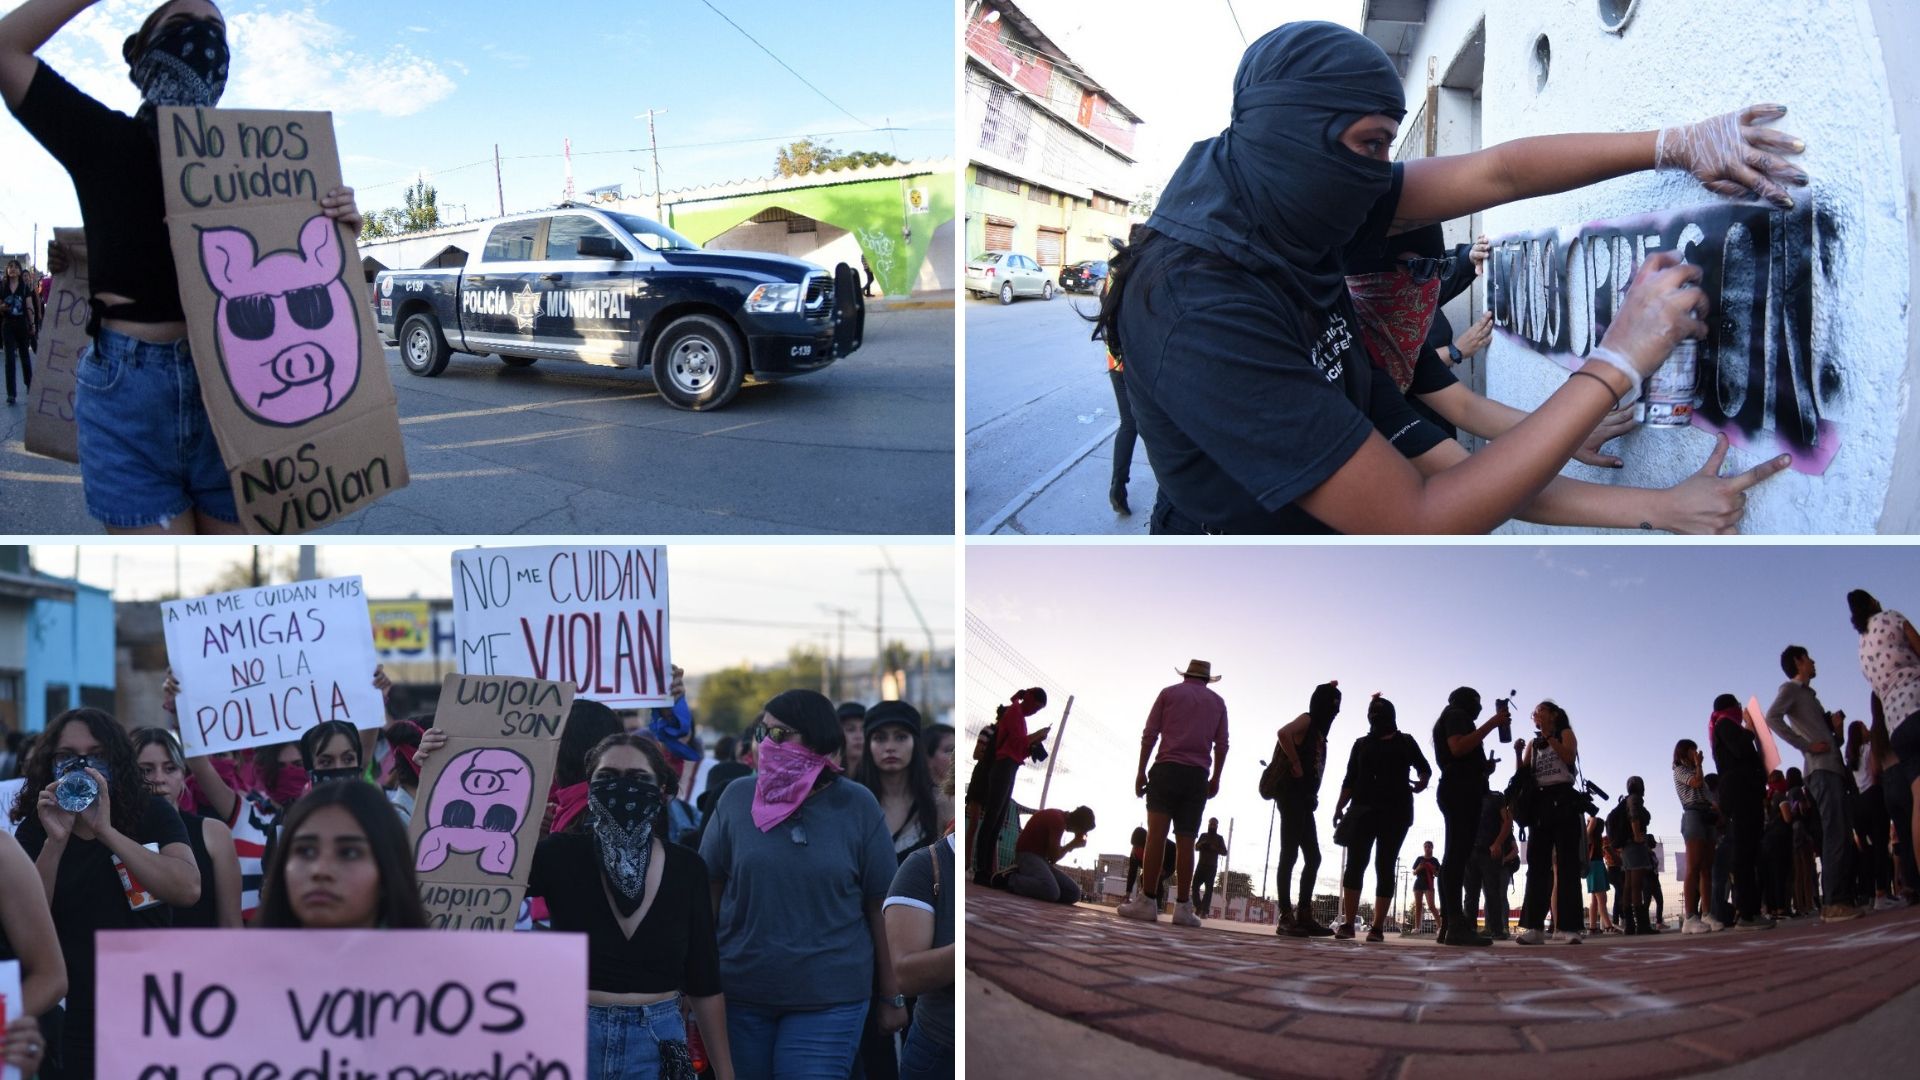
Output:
[[1050, 173], [56, 644]]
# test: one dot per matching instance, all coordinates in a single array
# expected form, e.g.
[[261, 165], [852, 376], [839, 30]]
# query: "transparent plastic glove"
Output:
[[1732, 157], [1662, 307]]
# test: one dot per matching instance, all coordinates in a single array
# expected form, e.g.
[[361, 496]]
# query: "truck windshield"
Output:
[[655, 236]]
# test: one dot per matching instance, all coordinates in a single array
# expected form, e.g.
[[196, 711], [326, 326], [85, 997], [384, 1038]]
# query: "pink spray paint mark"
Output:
[[287, 327]]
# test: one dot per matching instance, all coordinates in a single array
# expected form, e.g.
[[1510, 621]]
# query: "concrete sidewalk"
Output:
[[1091, 988]]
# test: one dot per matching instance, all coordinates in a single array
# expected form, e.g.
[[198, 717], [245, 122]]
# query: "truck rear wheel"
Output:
[[698, 363], [423, 348]]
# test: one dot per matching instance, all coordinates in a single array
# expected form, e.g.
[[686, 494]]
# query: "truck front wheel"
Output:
[[423, 348], [698, 363]]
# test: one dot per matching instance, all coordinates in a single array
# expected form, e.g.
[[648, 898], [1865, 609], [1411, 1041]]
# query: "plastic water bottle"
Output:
[[75, 791]]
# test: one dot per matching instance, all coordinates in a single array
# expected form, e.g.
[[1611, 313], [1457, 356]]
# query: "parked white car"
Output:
[[1007, 274]]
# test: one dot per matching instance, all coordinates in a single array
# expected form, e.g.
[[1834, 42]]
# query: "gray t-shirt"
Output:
[[793, 922], [913, 887]]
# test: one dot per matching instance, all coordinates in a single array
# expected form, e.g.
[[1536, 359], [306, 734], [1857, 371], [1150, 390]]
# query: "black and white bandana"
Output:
[[622, 810], [185, 63]]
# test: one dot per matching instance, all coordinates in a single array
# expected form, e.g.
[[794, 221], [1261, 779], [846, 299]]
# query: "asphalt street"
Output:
[[865, 446], [1040, 421]]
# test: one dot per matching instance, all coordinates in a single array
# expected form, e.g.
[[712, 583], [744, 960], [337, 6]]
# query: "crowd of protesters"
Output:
[[1830, 838], [799, 923]]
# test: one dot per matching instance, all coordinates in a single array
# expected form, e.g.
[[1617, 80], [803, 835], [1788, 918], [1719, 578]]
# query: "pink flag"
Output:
[[1757, 720]]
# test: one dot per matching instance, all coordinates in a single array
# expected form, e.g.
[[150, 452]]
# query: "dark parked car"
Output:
[[1084, 276]]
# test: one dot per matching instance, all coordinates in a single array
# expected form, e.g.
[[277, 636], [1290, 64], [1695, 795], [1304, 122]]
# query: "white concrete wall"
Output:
[[1679, 62]]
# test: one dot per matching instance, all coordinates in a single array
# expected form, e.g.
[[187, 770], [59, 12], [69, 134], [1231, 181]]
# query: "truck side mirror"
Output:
[[601, 247]]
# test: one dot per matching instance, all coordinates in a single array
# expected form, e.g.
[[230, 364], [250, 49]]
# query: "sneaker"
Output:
[[1714, 924], [1309, 927], [1344, 931], [1466, 937], [1694, 925], [1531, 937], [1575, 938], [1885, 903], [1140, 906], [1838, 913], [1376, 934], [1765, 922], [1183, 914]]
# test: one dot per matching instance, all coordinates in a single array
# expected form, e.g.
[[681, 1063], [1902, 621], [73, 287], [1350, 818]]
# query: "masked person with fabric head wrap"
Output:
[[148, 460], [1463, 788], [646, 910], [1299, 760], [1232, 318], [800, 863], [1375, 810]]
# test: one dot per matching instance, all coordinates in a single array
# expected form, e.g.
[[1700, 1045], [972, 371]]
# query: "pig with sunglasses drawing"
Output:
[[288, 333]]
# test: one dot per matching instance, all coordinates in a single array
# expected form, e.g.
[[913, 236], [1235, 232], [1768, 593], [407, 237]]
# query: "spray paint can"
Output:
[[1668, 401]]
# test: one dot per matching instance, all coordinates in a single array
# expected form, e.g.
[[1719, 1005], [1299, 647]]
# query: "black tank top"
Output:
[[204, 913]]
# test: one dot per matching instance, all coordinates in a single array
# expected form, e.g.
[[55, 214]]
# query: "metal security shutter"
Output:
[[999, 234], [1050, 243]]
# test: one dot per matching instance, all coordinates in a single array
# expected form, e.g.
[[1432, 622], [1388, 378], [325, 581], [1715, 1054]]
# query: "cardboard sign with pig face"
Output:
[[478, 803], [289, 339]]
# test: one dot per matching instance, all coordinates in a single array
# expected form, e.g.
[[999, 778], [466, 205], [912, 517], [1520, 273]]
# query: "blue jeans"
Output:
[[624, 1041], [794, 1044], [1829, 791], [147, 452], [925, 1057]]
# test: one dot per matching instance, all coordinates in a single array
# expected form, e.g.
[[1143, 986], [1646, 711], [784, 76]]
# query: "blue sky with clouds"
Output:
[[1633, 640], [429, 86]]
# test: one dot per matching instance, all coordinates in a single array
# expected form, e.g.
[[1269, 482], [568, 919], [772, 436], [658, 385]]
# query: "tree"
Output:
[[239, 574], [1234, 883], [423, 207], [731, 698], [1143, 203], [807, 156]]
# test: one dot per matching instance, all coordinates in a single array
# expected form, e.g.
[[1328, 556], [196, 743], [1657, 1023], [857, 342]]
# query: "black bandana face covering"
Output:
[[185, 63], [1277, 192], [622, 810]]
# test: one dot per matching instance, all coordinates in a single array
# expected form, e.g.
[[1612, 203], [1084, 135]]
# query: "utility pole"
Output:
[[309, 564], [255, 577], [653, 142], [879, 631], [1226, 869], [926, 658], [840, 651], [1266, 860], [1058, 734], [499, 188]]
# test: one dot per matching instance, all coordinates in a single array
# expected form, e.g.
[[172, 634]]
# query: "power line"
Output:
[[784, 64], [1236, 22]]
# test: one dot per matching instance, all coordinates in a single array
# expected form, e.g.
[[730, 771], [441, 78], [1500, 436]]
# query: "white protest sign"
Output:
[[260, 666], [593, 616], [10, 1006]]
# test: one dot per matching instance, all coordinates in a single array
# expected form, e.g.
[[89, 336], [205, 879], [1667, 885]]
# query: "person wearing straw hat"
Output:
[[1188, 721]]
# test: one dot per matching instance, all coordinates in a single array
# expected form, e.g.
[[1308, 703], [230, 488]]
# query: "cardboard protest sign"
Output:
[[482, 797], [595, 617], [63, 334], [260, 666], [291, 366], [306, 1005]]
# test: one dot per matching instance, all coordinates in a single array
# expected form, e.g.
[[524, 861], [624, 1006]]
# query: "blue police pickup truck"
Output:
[[618, 290]]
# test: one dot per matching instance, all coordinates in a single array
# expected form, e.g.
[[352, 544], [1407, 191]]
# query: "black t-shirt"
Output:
[[673, 948], [1207, 849], [87, 894], [115, 165], [1424, 867], [204, 914], [1466, 768], [1377, 774], [1245, 401], [16, 301]]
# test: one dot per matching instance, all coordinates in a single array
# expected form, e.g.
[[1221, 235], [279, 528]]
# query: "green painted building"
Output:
[[898, 217]]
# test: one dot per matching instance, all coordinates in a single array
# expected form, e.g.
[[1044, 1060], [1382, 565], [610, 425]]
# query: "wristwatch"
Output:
[[898, 1001], [1454, 351]]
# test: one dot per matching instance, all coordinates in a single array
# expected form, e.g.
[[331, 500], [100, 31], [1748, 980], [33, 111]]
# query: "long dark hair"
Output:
[[656, 760], [926, 806], [813, 716], [588, 724], [125, 787], [400, 907], [315, 738], [1861, 608], [1858, 737]]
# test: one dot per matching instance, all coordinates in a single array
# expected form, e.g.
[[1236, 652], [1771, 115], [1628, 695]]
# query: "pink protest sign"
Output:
[[321, 1004]]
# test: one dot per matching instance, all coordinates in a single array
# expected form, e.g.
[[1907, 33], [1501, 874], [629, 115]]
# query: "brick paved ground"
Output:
[[1320, 1007]]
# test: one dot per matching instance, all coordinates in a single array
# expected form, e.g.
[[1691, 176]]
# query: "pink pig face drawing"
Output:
[[477, 804], [289, 339]]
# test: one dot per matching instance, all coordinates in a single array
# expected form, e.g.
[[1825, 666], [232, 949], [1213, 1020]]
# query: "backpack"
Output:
[[1620, 823], [1275, 776]]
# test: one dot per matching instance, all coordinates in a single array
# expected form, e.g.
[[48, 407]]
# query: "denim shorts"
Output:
[[1636, 857], [147, 452], [1696, 826], [631, 1040]]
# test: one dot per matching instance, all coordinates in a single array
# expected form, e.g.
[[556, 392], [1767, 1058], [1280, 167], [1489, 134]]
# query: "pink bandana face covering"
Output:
[[787, 774]]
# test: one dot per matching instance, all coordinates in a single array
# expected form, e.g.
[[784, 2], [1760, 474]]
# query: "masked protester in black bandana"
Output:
[[137, 393], [1300, 752], [644, 905], [1231, 313], [1375, 810]]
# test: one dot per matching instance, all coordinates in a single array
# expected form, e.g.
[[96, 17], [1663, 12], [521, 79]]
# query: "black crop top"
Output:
[[673, 948], [115, 165]]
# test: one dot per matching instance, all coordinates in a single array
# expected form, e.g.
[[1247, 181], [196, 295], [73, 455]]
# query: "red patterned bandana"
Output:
[[1395, 315]]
